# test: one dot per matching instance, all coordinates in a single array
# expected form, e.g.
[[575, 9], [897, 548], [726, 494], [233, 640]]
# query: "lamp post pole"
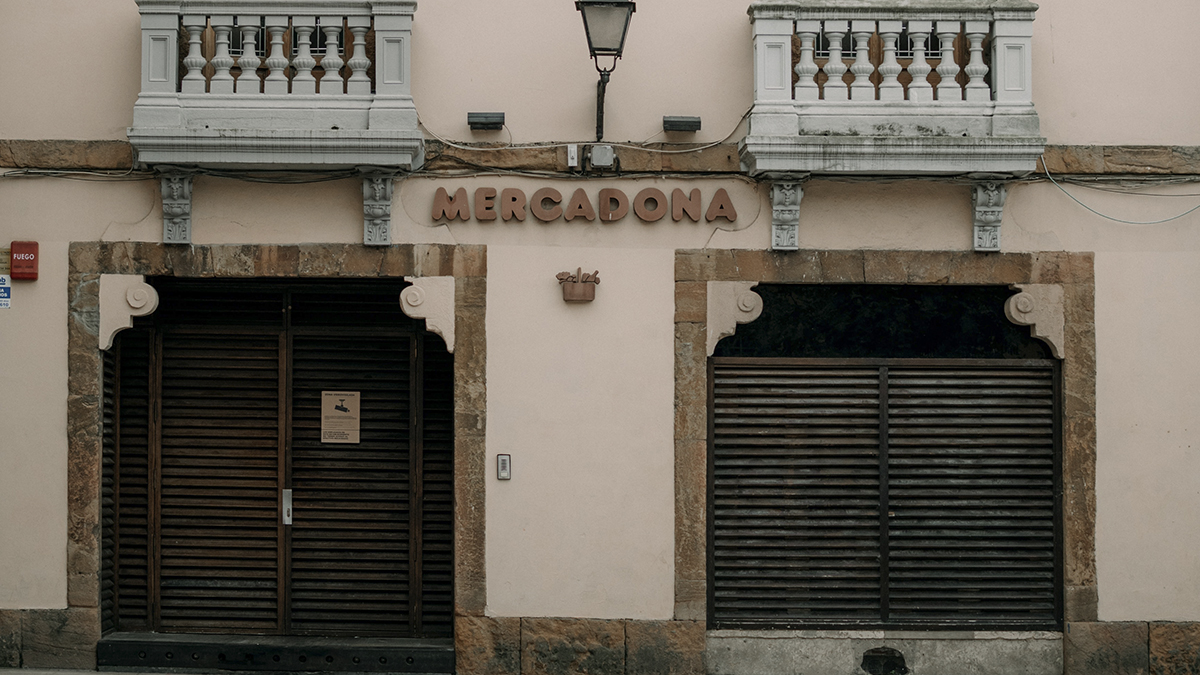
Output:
[[600, 87]]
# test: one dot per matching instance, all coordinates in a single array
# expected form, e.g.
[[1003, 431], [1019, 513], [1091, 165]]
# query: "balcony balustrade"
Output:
[[279, 84], [893, 87]]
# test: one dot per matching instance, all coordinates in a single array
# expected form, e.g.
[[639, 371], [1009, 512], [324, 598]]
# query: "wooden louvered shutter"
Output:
[[220, 479], [131, 484], [883, 493], [437, 566], [972, 484], [351, 529], [795, 494]]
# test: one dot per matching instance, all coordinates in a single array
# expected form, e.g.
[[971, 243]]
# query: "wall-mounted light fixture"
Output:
[[485, 121], [606, 23], [681, 123]]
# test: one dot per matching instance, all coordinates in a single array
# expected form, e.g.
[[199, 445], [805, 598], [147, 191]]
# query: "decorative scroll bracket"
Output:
[[785, 215], [377, 208], [177, 208], [432, 299], [987, 202], [122, 297], [730, 303], [1040, 306]]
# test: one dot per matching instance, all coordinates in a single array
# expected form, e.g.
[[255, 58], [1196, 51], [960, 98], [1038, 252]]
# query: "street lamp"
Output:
[[606, 23]]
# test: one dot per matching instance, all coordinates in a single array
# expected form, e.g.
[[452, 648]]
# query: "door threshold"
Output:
[[163, 652]]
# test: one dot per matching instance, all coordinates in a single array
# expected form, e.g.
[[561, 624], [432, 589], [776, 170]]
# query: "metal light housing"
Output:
[[606, 23]]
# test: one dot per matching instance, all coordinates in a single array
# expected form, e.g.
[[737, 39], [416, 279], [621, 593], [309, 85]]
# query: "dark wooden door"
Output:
[[213, 413]]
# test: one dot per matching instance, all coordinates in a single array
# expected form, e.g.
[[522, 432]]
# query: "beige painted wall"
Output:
[[582, 397], [529, 59], [1148, 418]]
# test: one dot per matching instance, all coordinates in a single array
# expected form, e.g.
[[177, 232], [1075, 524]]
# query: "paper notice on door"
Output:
[[340, 416]]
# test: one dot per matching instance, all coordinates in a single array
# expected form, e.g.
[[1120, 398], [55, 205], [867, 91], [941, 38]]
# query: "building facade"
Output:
[[857, 342]]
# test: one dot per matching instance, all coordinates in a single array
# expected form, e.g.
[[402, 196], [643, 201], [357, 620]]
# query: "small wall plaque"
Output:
[[580, 286], [340, 416]]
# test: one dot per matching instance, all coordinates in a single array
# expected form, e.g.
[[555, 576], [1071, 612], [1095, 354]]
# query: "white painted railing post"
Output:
[[977, 87], [862, 89], [393, 105], [193, 81], [248, 82], [303, 81], [890, 88], [1012, 75], [835, 68], [277, 60], [158, 101], [774, 112], [359, 83], [806, 68], [919, 90], [948, 89], [332, 82], [222, 80]]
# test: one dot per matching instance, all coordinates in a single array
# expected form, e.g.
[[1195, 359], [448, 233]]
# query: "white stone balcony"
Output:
[[277, 84], [908, 87]]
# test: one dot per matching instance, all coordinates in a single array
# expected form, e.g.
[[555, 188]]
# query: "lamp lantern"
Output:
[[606, 23]]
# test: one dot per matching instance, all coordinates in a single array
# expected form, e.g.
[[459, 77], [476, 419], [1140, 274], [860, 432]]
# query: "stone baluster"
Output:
[[862, 89], [303, 81], [948, 89], [193, 82], [890, 88], [806, 69], [248, 82], [222, 80], [835, 68], [919, 90], [359, 83], [277, 61], [977, 86], [331, 62]]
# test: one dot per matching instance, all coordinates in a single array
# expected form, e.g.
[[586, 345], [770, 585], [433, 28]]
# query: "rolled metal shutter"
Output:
[[889, 493]]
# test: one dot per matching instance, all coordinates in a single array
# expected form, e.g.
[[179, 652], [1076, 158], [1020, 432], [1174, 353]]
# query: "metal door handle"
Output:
[[287, 506]]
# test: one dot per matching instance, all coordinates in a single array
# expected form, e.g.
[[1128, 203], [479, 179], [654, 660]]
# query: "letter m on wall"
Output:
[[445, 207]]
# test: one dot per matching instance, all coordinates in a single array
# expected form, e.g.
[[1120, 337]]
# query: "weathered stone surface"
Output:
[[664, 648], [83, 485], [83, 590], [10, 638], [1081, 603], [691, 460], [1049, 267], [55, 154], [60, 638], [694, 265], [1175, 648], [439, 156], [572, 647], [433, 260], [839, 267], [1107, 648], [691, 301], [397, 261], [797, 266], [487, 646], [928, 267], [1079, 505], [1079, 304], [276, 261], [1074, 159], [472, 293], [755, 266], [470, 577], [1122, 159], [883, 267], [362, 261], [722, 157], [637, 159], [691, 599], [470, 261]]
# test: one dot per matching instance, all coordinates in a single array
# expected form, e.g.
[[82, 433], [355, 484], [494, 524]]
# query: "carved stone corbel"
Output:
[[377, 208], [122, 297], [177, 208], [987, 202], [730, 303], [785, 215], [432, 299], [1040, 306]]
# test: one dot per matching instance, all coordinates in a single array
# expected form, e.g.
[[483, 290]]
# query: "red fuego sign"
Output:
[[25, 260]]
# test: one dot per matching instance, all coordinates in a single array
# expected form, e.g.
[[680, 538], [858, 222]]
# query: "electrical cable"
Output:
[[1116, 220]]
